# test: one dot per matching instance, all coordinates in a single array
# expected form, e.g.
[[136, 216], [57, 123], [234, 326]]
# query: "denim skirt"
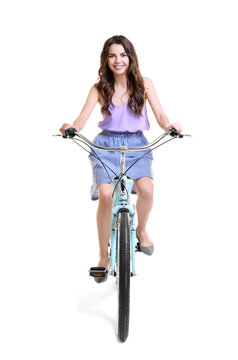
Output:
[[112, 158]]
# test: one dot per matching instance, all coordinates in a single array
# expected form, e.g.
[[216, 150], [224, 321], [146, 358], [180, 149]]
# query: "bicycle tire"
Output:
[[124, 275]]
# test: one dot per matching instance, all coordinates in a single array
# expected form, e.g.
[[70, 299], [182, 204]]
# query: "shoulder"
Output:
[[147, 82], [97, 93], [94, 89]]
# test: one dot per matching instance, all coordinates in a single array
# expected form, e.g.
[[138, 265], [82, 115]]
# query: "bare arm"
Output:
[[92, 99], [156, 107]]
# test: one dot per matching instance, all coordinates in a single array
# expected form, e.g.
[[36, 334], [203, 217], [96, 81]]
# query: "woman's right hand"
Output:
[[64, 127]]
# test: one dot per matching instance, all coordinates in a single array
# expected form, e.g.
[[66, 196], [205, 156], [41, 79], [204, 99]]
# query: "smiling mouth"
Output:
[[118, 66]]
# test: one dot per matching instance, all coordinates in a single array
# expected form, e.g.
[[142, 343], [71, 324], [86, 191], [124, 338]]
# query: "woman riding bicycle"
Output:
[[122, 93]]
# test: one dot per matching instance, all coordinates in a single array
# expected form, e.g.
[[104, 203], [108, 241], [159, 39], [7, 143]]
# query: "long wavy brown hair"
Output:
[[135, 84]]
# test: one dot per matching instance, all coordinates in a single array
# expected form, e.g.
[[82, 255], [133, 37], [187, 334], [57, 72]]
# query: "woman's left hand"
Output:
[[176, 126]]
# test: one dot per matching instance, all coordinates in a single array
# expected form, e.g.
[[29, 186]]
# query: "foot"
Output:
[[103, 262], [101, 279], [146, 246], [144, 238]]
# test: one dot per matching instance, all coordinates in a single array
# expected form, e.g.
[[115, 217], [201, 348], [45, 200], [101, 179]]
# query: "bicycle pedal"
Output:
[[138, 247], [98, 272]]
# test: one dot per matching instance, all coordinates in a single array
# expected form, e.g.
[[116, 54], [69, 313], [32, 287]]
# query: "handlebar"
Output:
[[72, 132]]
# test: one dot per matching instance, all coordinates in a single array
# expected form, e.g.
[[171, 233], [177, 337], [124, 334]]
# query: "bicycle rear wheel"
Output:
[[124, 274]]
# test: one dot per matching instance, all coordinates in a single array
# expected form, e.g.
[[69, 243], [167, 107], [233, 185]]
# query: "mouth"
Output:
[[118, 67]]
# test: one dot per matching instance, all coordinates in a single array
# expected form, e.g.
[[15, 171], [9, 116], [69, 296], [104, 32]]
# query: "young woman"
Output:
[[122, 93]]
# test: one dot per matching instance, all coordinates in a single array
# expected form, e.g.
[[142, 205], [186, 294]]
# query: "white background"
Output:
[[184, 299]]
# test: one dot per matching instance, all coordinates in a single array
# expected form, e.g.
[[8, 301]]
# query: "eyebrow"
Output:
[[124, 52]]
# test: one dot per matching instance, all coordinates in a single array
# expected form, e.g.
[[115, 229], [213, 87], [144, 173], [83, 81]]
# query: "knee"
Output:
[[146, 193], [145, 189], [105, 195]]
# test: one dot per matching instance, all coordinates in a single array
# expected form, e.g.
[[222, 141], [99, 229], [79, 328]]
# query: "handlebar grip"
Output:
[[70, 132], [174, 132]]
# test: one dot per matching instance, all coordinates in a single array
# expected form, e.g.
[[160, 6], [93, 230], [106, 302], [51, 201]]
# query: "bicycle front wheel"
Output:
[[124, 275]]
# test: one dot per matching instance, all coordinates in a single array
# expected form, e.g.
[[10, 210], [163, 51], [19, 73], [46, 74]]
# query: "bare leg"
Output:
[[104, 221], [144, 188]]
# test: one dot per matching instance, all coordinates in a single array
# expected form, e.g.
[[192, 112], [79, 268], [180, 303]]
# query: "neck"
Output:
[[120, 81]]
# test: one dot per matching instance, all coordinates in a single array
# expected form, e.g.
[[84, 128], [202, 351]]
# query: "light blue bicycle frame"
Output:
[[121, 200]]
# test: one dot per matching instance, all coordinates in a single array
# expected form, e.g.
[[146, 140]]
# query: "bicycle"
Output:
[[122, 243]]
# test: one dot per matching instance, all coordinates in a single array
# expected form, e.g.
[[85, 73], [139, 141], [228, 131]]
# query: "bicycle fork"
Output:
[[114, 237]]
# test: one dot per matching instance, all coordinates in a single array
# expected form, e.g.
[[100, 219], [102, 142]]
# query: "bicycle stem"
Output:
[[123, 159]]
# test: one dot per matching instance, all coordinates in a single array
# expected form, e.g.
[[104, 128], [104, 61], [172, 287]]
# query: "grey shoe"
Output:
[[101, 279], [148, 250]]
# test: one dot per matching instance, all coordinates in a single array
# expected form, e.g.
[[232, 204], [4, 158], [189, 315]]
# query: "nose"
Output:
[[118, 60]]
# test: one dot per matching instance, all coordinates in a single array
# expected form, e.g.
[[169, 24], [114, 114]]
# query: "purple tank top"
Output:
[[123, 119]]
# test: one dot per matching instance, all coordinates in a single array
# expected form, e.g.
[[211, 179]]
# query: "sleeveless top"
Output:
[[122, 119]]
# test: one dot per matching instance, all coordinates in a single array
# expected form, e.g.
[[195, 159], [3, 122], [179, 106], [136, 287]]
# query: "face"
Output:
[[118, 61]]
